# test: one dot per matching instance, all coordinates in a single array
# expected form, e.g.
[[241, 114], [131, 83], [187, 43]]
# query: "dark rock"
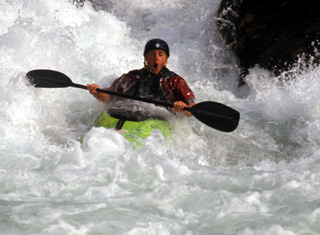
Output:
[[271, 34]]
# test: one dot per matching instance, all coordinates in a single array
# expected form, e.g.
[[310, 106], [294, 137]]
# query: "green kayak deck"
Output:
[[134, 132]]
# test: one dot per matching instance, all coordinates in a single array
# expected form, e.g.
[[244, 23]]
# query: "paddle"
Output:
[[213, 114]]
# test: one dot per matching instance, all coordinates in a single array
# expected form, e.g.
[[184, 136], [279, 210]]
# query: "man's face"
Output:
[[155, 60]]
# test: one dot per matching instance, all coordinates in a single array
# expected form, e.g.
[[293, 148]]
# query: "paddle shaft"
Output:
[[123, 95]]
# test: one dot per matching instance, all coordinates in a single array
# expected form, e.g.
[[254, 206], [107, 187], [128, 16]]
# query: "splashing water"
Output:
[[262, 178]]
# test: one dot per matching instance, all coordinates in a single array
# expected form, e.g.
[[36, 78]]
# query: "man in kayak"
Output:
[[155, 81]]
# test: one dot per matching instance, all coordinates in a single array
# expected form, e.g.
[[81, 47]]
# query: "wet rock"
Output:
[[271, 34]]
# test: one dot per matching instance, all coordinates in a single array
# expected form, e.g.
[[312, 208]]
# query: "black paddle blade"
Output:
[[216, 115], [48, 78]]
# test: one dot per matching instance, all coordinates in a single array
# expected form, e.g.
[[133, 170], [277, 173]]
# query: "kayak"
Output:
[[134, 131]]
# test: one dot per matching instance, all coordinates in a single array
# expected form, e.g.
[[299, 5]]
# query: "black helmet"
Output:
[[156, 44]]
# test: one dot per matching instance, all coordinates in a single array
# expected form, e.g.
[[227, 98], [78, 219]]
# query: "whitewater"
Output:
[[263, 178]]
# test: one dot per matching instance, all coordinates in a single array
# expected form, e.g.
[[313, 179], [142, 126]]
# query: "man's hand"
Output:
[[93, 89], [99, 96], [178, 106]]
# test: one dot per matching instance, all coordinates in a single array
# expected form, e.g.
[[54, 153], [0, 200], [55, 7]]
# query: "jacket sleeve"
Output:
[[180, 90]]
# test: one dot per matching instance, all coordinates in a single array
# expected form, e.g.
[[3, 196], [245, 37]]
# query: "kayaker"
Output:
[[154, 81]]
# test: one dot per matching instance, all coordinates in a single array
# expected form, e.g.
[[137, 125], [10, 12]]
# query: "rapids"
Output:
[[262, 178]]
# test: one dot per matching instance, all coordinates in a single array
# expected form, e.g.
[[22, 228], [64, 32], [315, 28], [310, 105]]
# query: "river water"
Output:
[[262, 178]]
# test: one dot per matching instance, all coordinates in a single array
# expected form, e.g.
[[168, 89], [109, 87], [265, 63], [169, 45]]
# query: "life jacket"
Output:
[[166, 86], [151, 86]]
